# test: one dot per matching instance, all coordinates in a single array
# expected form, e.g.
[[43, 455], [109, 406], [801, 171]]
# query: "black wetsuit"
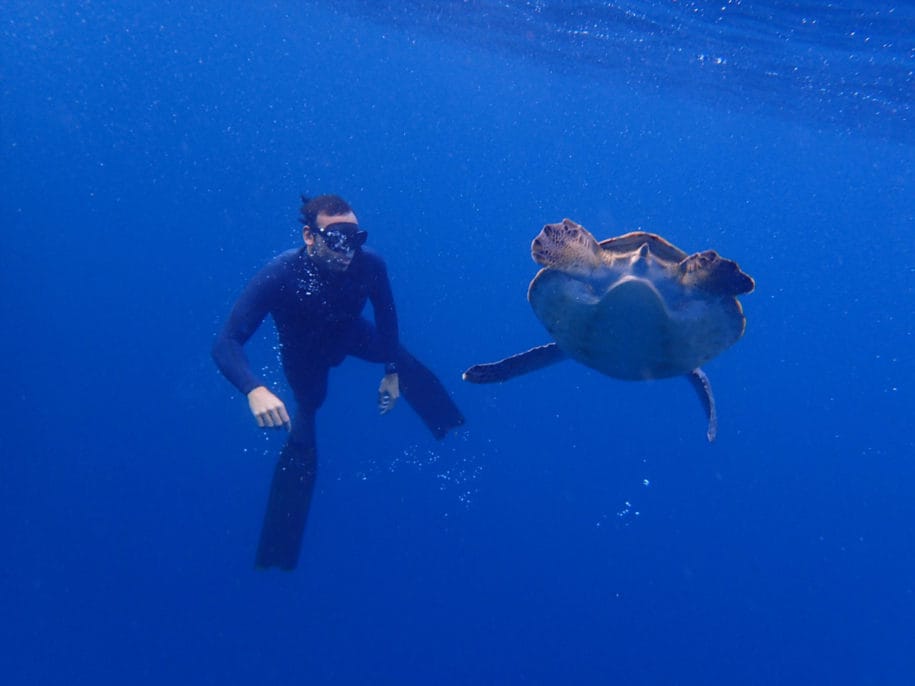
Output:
[[318, 316]]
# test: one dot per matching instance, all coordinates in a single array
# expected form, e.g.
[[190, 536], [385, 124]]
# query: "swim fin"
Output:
[[426, 395], [287, 507]]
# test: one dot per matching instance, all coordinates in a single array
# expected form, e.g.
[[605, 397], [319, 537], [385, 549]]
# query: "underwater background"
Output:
[[577, 529]]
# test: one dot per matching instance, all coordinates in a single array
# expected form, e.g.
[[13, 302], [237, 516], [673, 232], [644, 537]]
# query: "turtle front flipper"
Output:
[[516, 365], [714, 274], [703, 388]]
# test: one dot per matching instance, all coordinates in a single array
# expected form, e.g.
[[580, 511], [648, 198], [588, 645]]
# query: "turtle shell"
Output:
[[646, 311]]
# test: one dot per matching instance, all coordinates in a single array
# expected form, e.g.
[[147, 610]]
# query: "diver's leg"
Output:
[[294, 476], [419, 386], [426, 395], [290, 496]]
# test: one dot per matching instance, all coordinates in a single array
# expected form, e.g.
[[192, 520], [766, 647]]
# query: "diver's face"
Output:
[[336, 260]]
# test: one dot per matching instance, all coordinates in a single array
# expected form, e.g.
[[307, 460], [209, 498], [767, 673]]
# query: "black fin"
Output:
[[287, 507], [426, 395], [516, 365]]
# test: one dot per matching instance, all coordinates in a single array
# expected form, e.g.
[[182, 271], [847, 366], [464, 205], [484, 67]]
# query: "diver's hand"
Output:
[[388, 393], [267, 409]]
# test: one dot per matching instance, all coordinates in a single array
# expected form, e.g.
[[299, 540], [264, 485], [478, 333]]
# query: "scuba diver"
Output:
[[316, 294]]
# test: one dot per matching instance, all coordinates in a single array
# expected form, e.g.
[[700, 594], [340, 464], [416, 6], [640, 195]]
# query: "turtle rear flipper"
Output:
[[703, 388], [516, 365]]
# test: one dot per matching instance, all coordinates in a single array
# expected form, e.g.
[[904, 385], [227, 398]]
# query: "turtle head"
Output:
[[567, 247]]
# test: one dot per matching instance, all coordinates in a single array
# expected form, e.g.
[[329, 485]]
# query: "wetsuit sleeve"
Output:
[[246, 316], [385, 314]]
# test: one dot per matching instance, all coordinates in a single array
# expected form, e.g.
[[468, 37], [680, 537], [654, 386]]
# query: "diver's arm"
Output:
[[228, 350], [267, 409], [386, 326], [246, 316], [385, 312]]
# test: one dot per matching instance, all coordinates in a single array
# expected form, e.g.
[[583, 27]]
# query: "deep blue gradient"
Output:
[[579, 529]]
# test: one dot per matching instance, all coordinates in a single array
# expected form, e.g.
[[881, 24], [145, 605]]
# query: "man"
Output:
[[316, 294]]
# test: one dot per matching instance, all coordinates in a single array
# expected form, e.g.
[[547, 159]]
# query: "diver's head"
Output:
[[331, 231]]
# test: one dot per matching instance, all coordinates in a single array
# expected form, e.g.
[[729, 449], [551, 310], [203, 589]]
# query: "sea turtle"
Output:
[[633, 307]]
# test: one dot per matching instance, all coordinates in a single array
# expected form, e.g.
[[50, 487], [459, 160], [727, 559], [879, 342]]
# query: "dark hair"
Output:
[[323, 204]]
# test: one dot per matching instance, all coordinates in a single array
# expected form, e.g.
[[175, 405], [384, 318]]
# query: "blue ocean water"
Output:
[[577, 529]]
